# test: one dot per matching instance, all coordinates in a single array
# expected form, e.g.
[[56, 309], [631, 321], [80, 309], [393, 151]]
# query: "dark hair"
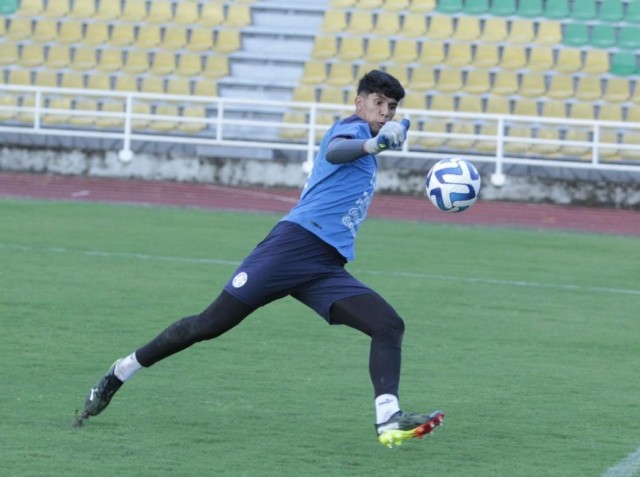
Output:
[[377, 81]]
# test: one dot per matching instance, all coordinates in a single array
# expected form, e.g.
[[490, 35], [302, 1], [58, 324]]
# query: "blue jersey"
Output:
[[336, 197]]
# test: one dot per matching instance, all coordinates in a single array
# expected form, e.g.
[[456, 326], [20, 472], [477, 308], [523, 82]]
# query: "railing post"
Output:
[[311, 140], [125, 154], [498, 178]]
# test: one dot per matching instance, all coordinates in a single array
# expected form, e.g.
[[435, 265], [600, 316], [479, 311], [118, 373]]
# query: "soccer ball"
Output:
[[453, 185]]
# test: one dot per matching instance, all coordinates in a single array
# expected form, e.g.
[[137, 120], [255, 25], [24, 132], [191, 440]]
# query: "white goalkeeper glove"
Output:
[[391, 136]]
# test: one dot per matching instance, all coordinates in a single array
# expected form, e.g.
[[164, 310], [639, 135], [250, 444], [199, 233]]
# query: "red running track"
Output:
[[279, 200]]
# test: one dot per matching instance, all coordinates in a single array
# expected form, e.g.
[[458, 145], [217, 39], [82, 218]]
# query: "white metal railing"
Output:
[[223, 123]]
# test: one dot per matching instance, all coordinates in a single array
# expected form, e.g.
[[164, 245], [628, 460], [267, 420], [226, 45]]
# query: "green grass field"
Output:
[[527, 340]]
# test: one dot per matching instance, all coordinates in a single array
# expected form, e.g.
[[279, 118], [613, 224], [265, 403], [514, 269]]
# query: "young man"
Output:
[[304, 256]]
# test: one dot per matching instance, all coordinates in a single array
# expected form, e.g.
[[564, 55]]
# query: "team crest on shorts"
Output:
[[239, 280]]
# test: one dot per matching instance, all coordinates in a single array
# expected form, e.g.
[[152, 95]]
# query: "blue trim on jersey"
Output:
[[336, 197]]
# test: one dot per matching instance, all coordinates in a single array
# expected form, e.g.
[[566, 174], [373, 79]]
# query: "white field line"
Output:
[[627, 467], [423, 276]]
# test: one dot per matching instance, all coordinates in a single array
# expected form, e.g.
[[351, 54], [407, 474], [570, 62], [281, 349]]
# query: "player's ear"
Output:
[[359, 103]]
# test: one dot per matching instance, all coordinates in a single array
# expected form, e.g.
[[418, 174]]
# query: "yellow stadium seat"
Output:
[[290, 119], [110, 61], [148, 37], [405, 50], [582, 111], [569, 60], [513, 57], [205, 87], [201, 39], [608, 139], [433, 126], [160, 11], [630, 138], [45, 30], [323, 123], [399, 72], [72, 79], [588, 88], [8, 101], [467, 28], [19, 28], [87, 106], [126, 83], [554, 109], [533, 85], [576, 150], [163, 63], [360, 22], [616, 90], [470, 104], [422, 6], [485, 56], [449, 80], [332, 95], [396, 5], [342, 3], [174, 38], [324, 47], [560, 87], [193, 119], [494, 30], [140, 117], [415, 100], [108, 11], [414, 25], [432, 53], [549, 134], [350, 48], [32, 55], [305, 94], [189, 64], [378, 50], [27, 103], [498, 105], [62, 114], [314, 72], [364, 67], [525, 107], [549, 33], [520, 134], [98, 81], [186, 13], [442, 102], [137, 62], [31, 8], [521, 31], [596, 61], [541, 59], [96, 33], [477, 82], [422, 78], [84, 59], [58, 57], [111, 115], [238, 16], [227, 41], [179, 86], [341, 74], [211, 15], [370, 4], [440, 27], [215, 66], [56, 9], [462, 127], [83, 9], [334, 21], [459, 54], [134, 11], [123, 34], [505, 83], [46, 78], [152, 84], [387, 24], [611, 112]]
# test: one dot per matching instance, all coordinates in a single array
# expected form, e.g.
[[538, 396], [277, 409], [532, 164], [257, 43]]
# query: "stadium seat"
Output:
[[603, 36], [314, 72], [108, 11], [186, 13], [442, 102], [440, 28], [113, 116], [520, 133], [557, 9], [25, 115], [96, 33], [467, 29], [463, 143], [350, 48], [396, 5], [398, 71], [133, 11], [530, 9], [163, 63], [432, 53], [435, 126], [56, 10], [554, 109], [607, 139], [596, 62], [575, 34], [147, 37], [160, 11], [228, 41], [549, 33], [502, 8], [174, 38], [369, 4], [513, 57], [560, 87], [45, 30], [533, 85], [549, 134], [290, 119], [541, 59], [8, 101], [616, 90], [19, 77], [84, 59], [19, 28], [360, 22], [588, 88], [46, 78], [611, 112], [414, 25], [136, 62], [84, 105], [415, 100], [405, 50], [632, 15], [72, 79], [126, 83], [525, 107], [200, 39], [98, 81], [494, 30], [9, 54], [498, 105], [475, 7], [193, 119], [30, 8], [211, 15], [110, 60], [215, 66], [58, 57], [62, 116], [123, 34], [140, 118], [459, 54], [449, 6], [205, 88], [470, 104], [449, 80], [32, 55], [629, 37], [340, 74], [611, 11], [487, 146], [179, 86], [477, 82], [152, 84], [505, 83], [422, 78], [378, 50], [521, 31], [624, 63], [189, 64], [630, 138], [324, 47], [238, 16], [485, 56], [83, 9], [387, 24], [569, 60], [583, 10], [334, 4], [582, 111], [422, 6], [332, 95]]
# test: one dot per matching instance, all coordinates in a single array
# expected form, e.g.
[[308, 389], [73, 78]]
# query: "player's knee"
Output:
[[390, 328]]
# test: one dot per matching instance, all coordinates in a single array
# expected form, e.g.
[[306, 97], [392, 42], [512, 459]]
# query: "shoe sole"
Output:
[[396, 437]]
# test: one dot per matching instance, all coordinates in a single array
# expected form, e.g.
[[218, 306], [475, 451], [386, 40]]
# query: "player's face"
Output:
[[376, 109]]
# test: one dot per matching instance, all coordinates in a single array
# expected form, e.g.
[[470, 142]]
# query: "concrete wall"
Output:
[[519, 186]]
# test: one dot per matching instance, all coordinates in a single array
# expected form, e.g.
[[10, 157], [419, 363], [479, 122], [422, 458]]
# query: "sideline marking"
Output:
[[210, 261], [627, 467]]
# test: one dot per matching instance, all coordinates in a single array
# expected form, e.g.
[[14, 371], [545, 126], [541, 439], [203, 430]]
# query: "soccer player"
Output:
[[304, 256]]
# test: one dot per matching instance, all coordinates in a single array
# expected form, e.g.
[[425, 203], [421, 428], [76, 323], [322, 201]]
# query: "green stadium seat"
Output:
[[476, 7], [611, 11], [7, 7], [557, 9], [449, 6], [633, 11], [575, 34], [629, 37], [529, 8], [624, 63], [502, 8], [603, 36], [583, 10]]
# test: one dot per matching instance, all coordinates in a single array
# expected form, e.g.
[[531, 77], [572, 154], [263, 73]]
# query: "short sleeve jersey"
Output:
[[336, 197]]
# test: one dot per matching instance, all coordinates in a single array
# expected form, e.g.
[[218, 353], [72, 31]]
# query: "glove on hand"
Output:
[[391, 136]]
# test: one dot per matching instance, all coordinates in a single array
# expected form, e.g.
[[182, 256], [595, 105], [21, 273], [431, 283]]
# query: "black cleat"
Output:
[[99, 396]]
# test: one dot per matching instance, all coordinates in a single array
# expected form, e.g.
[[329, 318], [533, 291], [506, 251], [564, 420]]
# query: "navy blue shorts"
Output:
[[293, 261]]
